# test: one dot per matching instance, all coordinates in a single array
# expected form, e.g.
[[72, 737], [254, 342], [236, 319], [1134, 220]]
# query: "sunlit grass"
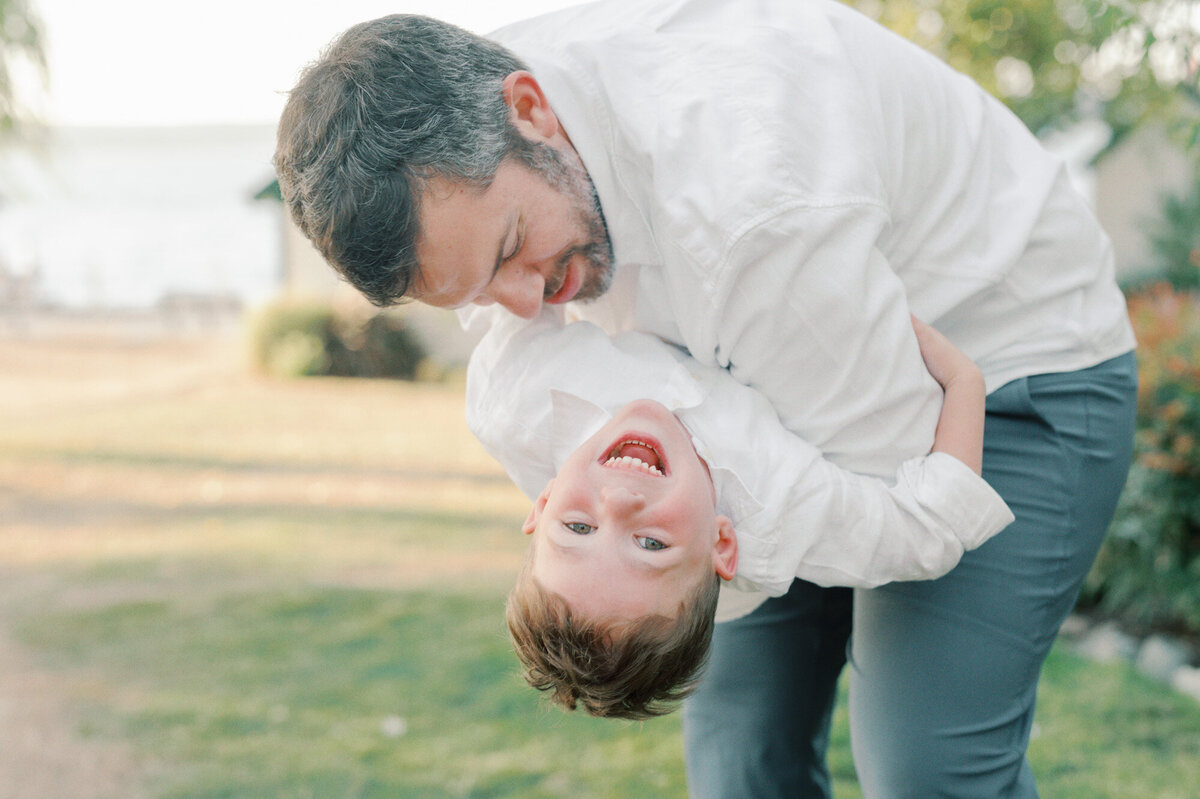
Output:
[[344, 692], [1104, 730]]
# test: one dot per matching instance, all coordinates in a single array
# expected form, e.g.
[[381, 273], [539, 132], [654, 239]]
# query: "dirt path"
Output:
[[43, 755], [44, 750]]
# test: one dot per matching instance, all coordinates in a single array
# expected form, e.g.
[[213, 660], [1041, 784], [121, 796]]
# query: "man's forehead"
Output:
[[454, 233], [437, 190], [440, 188]]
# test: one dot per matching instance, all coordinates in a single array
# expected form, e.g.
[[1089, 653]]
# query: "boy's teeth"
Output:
[[631, 461]]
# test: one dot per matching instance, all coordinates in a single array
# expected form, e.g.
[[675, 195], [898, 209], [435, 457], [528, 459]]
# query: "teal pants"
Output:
[[943, 673]]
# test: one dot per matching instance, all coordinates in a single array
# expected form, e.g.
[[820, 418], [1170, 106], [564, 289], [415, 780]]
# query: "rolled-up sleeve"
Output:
[[812, 519]]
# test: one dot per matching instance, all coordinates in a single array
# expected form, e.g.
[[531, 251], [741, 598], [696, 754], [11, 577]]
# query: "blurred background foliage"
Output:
[[1148, 571], [1175, 240], [1055, 62], [290, 339], [22, 63]]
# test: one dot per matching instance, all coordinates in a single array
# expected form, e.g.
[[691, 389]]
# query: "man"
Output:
[[772, 186]]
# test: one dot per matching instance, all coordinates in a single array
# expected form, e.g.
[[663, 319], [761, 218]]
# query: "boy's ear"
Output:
[[725, 551], [535, 512], [530, 111]]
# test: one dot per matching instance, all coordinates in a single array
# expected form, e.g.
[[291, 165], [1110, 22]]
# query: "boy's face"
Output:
[[629, 524]]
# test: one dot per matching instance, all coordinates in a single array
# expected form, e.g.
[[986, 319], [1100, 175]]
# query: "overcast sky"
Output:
[[163, 62]]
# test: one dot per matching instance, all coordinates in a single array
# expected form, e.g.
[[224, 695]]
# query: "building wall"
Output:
[[305, 273], [1130, 182]]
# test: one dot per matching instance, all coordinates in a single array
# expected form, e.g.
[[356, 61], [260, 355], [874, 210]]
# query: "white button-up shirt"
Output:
[[783, 181]]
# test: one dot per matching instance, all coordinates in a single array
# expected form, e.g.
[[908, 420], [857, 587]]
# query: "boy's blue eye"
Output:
[[652, 544], [579, 528]]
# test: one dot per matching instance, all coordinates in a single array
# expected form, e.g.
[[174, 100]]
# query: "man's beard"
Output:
[[567, 175]]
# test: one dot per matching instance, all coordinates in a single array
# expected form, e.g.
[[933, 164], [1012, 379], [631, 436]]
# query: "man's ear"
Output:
[[535, 512], [725, 551], [528, 108]]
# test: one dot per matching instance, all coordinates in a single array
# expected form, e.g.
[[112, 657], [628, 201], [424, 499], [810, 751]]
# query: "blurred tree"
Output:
[[1175, 245], [1056, 61], [21, 57]]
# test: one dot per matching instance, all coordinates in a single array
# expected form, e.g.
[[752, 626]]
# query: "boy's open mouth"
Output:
[[636, 454]]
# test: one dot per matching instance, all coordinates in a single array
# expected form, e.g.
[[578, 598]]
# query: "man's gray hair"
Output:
[[390, 104]]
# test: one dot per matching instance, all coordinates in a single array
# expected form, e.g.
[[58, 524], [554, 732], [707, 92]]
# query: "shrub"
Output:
[[1174, 239], [1149, 568], [292, 340]]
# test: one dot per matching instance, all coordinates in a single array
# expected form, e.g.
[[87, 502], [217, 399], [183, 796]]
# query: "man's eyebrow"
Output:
[[653, 566], [512, 220]]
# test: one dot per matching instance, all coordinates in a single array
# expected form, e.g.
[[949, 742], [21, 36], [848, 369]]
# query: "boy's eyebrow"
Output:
[[576, 550], [571, 549]]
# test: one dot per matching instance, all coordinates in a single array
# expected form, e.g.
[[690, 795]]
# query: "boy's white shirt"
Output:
[[805, 517]]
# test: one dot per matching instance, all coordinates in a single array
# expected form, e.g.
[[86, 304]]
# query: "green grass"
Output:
[[1104, 730], [262, 595], [283, 693]]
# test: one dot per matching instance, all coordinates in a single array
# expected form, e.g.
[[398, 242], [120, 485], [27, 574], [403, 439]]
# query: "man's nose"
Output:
[[517, 288], [621, 501]]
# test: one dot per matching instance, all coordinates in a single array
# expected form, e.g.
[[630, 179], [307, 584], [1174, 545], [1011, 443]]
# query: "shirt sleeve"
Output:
[[812, 519], [797, 514]]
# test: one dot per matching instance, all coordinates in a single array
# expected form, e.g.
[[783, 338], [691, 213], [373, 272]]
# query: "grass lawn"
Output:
[[254, 588]]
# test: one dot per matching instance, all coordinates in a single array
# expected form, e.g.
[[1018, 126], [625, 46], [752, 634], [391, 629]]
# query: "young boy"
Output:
[[614, 607]]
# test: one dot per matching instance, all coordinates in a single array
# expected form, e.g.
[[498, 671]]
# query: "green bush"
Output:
[[1148, 571], [293, 340], [1174, 239]]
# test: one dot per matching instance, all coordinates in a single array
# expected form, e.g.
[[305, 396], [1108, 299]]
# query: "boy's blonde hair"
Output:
[[631, 670]]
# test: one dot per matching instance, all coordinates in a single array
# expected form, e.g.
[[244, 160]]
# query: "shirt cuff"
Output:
[[969, 505]]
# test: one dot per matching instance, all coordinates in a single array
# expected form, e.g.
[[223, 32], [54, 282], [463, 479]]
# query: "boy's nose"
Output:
[[519, 289], [622, 501]]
